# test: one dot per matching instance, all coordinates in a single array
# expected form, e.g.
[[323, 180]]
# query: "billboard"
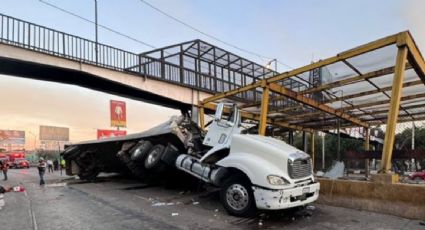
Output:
[[118, 113], [52, 133], [103, 133], [12, 137]]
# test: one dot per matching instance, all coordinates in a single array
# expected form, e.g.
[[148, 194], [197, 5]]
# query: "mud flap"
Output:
[[170, 155]]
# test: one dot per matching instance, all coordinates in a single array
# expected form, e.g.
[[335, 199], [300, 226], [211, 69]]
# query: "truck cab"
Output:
[[253, 171]]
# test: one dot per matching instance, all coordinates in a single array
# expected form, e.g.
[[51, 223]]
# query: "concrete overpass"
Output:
[[176, 76]]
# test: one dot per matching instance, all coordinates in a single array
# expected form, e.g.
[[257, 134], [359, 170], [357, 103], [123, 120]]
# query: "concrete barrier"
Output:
[[404, 200]]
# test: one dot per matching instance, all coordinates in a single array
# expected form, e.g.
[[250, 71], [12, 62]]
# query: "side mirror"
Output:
[[219, 112]]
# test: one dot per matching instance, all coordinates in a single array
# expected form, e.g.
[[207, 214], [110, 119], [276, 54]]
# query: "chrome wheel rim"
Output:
[[152, 158], [237, 197]]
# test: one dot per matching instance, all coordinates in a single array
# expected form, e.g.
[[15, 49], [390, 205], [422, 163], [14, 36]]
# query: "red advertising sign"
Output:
[[118, 113], [103, 133]]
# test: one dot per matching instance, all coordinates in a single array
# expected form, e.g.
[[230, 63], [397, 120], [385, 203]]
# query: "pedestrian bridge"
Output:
[[176, 76]]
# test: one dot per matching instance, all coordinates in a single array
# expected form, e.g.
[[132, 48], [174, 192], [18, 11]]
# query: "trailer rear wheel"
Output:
[[139, 152], [153, 159], [237, 197]]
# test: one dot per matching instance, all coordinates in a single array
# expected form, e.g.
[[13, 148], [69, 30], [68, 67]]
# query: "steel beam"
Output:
[[232, 92], [351, 80], [386, 110], [403, 120], [256, 117], [383, 102], [341, 56], [366, 93], [400, 116], [415, 57], [314, 104], [264, 111], [394, 109]]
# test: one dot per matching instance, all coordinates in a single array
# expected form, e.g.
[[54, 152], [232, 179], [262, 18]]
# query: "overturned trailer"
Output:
[[252, 171]]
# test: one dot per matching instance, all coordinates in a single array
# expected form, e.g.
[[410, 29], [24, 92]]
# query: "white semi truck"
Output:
[[252, 171]]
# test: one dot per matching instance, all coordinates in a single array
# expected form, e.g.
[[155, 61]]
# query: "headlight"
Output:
[[276, 180]]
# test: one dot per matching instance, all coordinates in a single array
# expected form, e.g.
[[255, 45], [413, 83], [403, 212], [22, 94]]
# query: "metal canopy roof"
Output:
[[356, 89], [201, 50], [217, 69]]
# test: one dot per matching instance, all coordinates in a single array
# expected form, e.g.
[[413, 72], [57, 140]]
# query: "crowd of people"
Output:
[[50, 165]]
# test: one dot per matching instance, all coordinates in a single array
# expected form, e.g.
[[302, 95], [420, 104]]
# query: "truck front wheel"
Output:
[[237, 197]]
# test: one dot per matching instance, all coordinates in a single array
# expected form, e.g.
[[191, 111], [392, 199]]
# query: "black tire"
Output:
[[153, 161], [237, 197], [89, 175], [139, 152]]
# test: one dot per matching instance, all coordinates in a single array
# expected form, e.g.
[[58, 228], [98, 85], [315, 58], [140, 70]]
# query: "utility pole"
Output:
[[96, 31], [35, 139]]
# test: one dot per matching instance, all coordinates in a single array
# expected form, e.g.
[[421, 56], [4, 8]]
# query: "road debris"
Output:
[[311, 207], [174, 214], [260, 222], [162, 204], [336, 171], [56, 185]]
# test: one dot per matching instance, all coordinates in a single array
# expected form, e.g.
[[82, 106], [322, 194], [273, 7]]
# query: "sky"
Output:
[[294, 32]]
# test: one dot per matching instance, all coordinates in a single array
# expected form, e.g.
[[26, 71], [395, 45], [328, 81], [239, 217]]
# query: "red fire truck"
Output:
[[17, 159]]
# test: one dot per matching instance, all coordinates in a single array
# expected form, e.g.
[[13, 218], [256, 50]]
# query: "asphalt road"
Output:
[[119, 203]]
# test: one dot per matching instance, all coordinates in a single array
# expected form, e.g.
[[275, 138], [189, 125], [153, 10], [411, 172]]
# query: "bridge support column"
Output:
[[195, 114]]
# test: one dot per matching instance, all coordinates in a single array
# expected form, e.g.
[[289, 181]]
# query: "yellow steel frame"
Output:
[[312, 103], [407, 51], [394, 108], [264, 110], [256, 117], [202, 117]]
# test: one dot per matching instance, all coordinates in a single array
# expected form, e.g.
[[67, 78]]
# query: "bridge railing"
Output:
[[16, 32]]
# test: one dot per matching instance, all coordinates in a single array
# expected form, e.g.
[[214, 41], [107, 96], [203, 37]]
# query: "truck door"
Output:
[[221, 129]]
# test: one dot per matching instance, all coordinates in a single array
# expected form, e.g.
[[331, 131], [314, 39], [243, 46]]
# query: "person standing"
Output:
[[56, 165], [4, 167], [41, 170], [50, 165], [62, 165], [1, 166]]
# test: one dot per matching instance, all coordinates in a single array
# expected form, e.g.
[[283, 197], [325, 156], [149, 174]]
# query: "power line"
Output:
[[150, 45], [208, 35], [102, 26]]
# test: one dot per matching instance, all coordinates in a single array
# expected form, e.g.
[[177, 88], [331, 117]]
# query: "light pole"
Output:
[[96, 30], [269, 65]]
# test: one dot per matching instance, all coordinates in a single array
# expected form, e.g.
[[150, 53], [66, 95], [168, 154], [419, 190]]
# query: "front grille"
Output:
[[299, 168]]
